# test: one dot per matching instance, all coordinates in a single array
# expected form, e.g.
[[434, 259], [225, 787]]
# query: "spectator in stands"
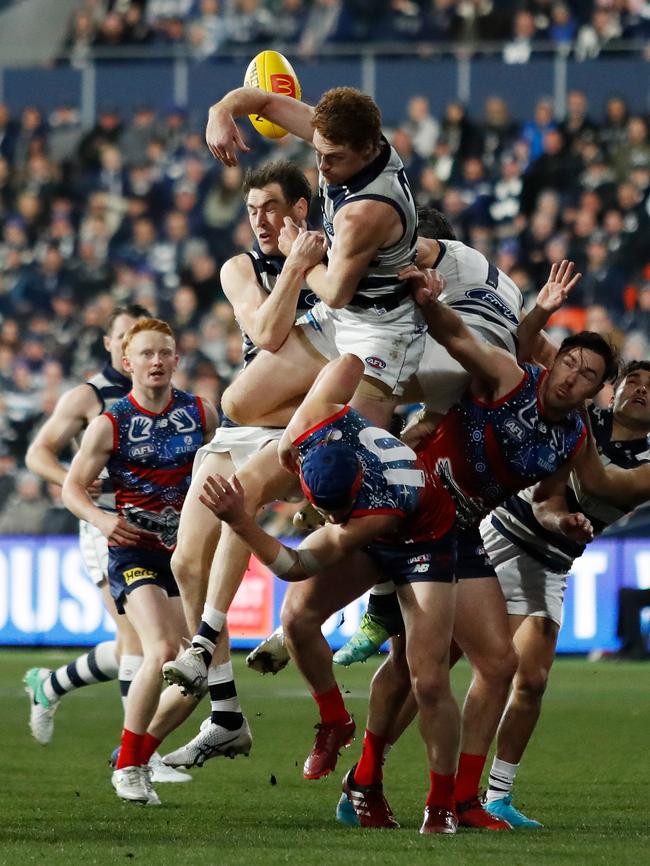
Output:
[[421, 125], [524, 31], [24, 510], [533, 131]]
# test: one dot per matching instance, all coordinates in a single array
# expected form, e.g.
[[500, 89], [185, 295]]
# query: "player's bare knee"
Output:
[[233, 405], [430, 684], [497, 666], [185, 568], [531, 682], [162, 651]]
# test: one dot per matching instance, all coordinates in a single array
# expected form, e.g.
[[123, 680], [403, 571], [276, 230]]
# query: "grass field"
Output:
[[585, 777]]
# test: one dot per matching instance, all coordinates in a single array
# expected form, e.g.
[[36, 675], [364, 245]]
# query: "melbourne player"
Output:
[[455, 494], [147, 443]]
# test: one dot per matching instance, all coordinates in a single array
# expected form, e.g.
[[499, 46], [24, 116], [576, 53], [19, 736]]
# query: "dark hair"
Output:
[[344, 115], [290, 179], [434, 224], [135, 311], [595, 343], [632, 367]]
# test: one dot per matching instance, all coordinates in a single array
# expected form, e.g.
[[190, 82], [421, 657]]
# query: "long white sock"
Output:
[[501, 779], [97, 666], [224, 702], [129, 666]]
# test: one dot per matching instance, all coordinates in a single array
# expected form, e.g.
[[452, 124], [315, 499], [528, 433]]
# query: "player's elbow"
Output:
[[31, 459]]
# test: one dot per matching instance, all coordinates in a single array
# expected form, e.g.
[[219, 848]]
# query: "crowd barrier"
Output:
[[47, 599]]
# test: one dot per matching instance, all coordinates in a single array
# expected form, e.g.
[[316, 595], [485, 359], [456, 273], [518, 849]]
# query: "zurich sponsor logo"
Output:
[[376, 363], [514, 429]]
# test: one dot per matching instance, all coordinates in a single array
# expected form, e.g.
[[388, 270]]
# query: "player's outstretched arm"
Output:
[[491, 367], [533, 343], [324, 548], [92, 457], [222, 135]]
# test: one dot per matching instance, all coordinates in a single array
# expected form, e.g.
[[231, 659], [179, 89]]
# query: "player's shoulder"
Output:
[[80, 401]]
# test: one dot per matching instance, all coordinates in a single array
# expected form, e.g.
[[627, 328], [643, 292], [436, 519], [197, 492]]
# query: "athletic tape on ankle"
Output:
[[283, 562]]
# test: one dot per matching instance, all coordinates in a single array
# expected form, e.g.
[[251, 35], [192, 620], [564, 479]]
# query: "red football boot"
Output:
[[439, 820], [330, 739], [364, 805], [472, 814]]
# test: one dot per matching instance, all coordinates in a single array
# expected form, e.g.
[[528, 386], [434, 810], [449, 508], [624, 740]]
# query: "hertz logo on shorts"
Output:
[[134, 574]]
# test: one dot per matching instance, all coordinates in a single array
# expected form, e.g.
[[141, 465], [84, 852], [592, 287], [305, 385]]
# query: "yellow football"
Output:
[[272, 72]]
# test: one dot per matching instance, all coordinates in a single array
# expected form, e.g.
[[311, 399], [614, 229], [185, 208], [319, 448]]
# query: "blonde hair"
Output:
[[141, 325]]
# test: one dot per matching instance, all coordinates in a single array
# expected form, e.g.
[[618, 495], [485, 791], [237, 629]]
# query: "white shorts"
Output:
[[94, 552], [390, 344], [530, 589], [441, 379], [240, 442]]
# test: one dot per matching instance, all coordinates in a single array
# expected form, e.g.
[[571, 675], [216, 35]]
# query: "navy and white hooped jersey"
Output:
[[151, 463], [482, 294], [109, 386], [484, 452], [393, 480], [384, 179], [515, 519], [267, 270]]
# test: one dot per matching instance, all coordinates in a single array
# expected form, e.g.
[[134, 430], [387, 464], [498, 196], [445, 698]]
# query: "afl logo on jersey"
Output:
[[182, 421], [514, 429], [376, 363], [139, 428]]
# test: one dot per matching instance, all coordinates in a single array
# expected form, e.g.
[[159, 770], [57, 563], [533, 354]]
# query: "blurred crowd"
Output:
[[204, 27], [135, 209]]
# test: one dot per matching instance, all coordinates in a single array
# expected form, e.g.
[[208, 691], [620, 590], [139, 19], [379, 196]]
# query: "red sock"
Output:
[[468, 777], [441, 791], [149, 746], [130, 749], [369, 769], [331, 706]]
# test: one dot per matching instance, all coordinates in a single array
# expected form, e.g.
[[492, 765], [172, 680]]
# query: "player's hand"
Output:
[[560, 282], [225, 499], [426, 284], [118, 532], [577, 527], [308, 248], [288, 234], [95, 489], [223, 137], [288, 455]]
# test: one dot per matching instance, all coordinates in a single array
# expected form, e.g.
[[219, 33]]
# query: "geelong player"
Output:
[[370, 222], [146, 442], [267, 292], [458, 489]]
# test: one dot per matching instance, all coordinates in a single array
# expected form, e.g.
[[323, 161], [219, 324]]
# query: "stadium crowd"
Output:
[[135, 210], [208, 26]]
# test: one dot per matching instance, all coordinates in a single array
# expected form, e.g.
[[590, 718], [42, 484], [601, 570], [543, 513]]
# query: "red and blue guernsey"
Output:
[[392, 476], [151, 463], [484, 452]]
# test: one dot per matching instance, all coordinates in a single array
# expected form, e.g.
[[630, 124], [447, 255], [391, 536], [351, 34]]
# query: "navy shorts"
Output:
[[131, 567], [458, 555]]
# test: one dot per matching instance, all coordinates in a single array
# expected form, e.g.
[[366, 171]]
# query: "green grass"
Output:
[[585, 777]]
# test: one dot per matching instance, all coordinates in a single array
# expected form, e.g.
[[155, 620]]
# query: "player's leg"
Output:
[[307, 605], [263, 480], [160, 623], [428, 610], [198, 535], [267, 392], [535, 639]]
